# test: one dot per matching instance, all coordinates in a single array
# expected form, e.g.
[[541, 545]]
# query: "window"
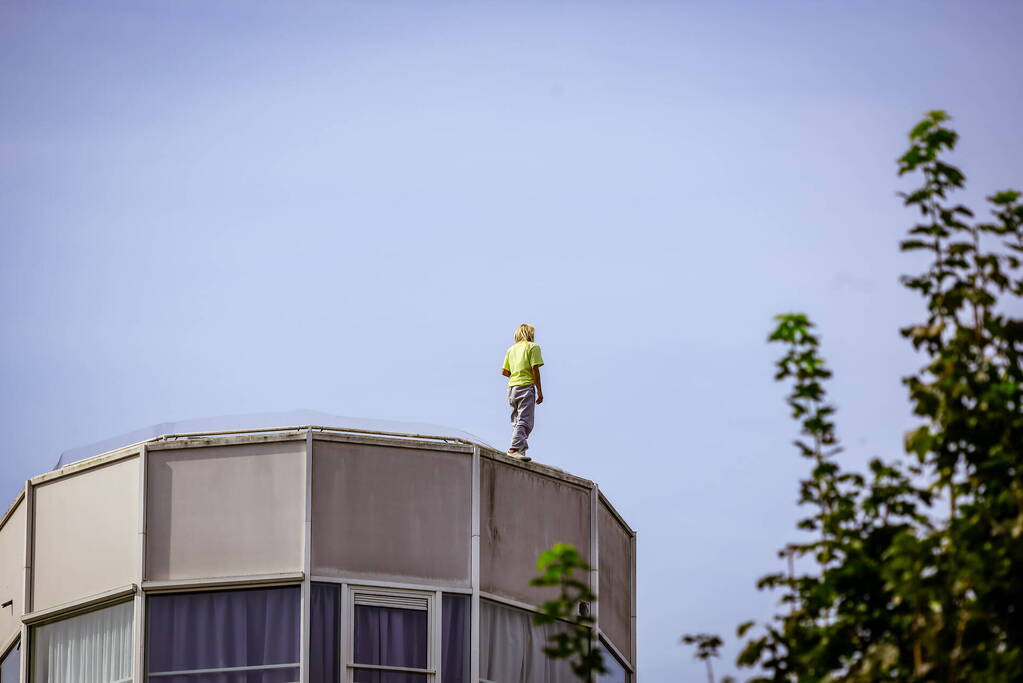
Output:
[[455, 638], [95, 647], [241, 636], [391, 637], [511, 648], [324, 632], [616, 671], [10, 666]]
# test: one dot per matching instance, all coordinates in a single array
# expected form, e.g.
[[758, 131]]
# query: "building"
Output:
[[264, 552]]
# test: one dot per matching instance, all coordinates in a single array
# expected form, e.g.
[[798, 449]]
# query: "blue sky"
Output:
[[217, 208]]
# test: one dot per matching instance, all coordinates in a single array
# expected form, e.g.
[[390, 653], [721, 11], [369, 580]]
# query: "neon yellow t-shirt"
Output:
[[519, 361]]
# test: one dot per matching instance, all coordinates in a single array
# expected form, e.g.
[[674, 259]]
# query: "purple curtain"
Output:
[[266, 676], [225, 629], [325, 613], [387, 636], [455, 638], [392, 637], [369, 676]]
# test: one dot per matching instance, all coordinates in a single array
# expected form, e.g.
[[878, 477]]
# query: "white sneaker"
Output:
[[519, 456]]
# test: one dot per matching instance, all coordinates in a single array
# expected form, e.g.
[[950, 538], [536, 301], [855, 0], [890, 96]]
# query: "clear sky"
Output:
[[222, 207]]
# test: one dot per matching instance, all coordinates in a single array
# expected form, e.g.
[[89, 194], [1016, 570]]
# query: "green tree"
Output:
[[707, 649], [918, 564], [570, 610]]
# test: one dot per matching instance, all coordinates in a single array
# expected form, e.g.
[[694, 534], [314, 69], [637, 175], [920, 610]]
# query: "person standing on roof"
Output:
[[522, 363]]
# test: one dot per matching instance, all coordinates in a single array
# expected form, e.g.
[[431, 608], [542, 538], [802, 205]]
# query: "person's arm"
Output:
[[536, 381]]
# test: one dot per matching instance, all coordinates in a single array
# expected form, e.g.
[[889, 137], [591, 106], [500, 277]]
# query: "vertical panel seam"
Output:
[[595, 560], [307, 560], [474, 561], [143, 474], [138, 670], [632, 654], [437, 644], [26, 589], [347, 633]]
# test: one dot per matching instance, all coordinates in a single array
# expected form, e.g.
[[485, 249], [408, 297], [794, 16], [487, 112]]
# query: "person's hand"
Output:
[[539, 398]]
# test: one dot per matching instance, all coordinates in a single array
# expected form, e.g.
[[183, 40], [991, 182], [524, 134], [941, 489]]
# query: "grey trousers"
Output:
[[523, 403]]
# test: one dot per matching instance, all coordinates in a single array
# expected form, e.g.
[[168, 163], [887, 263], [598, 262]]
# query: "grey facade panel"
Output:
[[225, 511], [523, 513], [391, 513], [86, 534], [615, 595], [12, 572]]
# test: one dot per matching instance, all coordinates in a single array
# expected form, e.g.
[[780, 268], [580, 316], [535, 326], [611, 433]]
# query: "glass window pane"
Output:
[[11, 666], [616, 672], [224, 629], [324, 606], [390, 636], [95, 647], [289, 675], [455, 639], [511, 648], [371, 676]]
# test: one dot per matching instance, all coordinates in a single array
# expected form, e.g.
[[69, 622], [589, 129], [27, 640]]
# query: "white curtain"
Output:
[[95, 647], [511, 648]]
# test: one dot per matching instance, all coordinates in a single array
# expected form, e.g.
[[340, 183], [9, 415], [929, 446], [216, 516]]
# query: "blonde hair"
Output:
[[525, 332]]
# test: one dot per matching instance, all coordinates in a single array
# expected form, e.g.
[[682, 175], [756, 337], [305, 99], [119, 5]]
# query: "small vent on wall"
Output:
[[388, 600]]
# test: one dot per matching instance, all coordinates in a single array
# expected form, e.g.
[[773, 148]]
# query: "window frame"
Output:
[[159, 675], [532, 610], [71, 612], [351, 595]]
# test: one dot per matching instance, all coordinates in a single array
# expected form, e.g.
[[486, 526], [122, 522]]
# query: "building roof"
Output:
[[265, 422]]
